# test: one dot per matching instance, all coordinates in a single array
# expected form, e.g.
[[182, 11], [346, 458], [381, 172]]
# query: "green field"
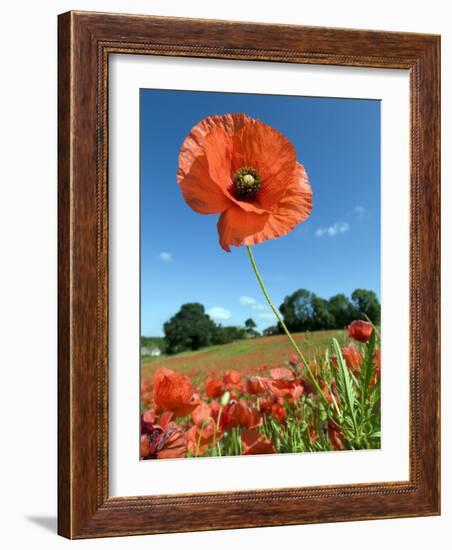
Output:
[[244, 355]]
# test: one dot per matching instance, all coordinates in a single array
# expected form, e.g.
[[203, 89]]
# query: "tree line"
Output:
[[304, 310], [191, 328]]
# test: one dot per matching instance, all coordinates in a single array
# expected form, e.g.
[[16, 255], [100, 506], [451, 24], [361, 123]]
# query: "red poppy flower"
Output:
[[148, 419], [201, 414], [221, 416], [165, 418], [256, 385], [168, 442], [199, 439], [279, 412], [335, 436], [297, 391], [172, 442], [266, 404], [147, 397], [377, 371], [239, 413], [145, 446], [326, 391], [246, 171], [214, 388], [232, 379], [281, 373], [282, 381], [254, 443], [360, 331], [174, 392], [312, 435], [254, 418], [352, 358]]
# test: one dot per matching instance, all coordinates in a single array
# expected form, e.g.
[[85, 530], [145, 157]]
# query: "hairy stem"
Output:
[[286, 330]]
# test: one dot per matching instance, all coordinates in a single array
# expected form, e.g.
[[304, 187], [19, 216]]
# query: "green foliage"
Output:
[[250, 327], [344, 413], [322, 319], [341, 310], [349, 420], [153, 342], [366, 304], [358, 416], [305, 311], [250, 324], [189, 329], [297, 310], [346, 389], [226, 335]]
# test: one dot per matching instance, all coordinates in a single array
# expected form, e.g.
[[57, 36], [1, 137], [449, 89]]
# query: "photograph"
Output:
[[260, 233]]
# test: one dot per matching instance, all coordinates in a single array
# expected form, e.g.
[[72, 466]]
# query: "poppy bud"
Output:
[[360, 331]]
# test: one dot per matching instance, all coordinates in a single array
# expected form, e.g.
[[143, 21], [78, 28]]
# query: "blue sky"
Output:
[[336, 250]]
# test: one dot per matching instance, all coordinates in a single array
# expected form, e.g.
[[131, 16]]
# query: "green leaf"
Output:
[[346, 384], [367, 369]]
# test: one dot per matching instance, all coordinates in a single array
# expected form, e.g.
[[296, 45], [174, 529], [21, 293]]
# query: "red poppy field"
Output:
[[256, 397], [280, 394]]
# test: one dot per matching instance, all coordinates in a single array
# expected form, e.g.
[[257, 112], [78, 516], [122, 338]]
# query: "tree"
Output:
[[189, 329], [226, 335], [341, 309], [297, 310], [250, 327], [321, 317], [366, 304], [303, 310]]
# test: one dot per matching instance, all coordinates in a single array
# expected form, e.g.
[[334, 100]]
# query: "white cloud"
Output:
[[166, 257], [337, 229], [268, 315], [219, 313], [258, 307], [359, 211], [247, 300]]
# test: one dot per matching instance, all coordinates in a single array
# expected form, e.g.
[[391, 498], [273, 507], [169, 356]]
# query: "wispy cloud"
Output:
[[337, 229], [268, 315], [246, 300], [359, 211], [219, 313], [166, 257]]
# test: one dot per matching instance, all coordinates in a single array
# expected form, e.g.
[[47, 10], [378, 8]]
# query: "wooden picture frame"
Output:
[[85, 42]]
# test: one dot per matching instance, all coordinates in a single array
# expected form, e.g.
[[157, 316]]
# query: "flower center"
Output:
[[247, 182]]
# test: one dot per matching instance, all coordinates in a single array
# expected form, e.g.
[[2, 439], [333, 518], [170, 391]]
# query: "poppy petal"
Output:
[[204, 172], [254, 443], [235, 226], [263, 148], [294, 207]]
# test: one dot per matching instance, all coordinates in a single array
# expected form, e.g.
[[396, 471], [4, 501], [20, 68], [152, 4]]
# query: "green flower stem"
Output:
[[286, 330]]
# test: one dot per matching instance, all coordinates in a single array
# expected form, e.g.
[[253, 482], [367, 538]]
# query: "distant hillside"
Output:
[[247, 355]]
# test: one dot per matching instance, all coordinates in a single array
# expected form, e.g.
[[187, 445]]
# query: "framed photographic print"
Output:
[[248, 275]]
